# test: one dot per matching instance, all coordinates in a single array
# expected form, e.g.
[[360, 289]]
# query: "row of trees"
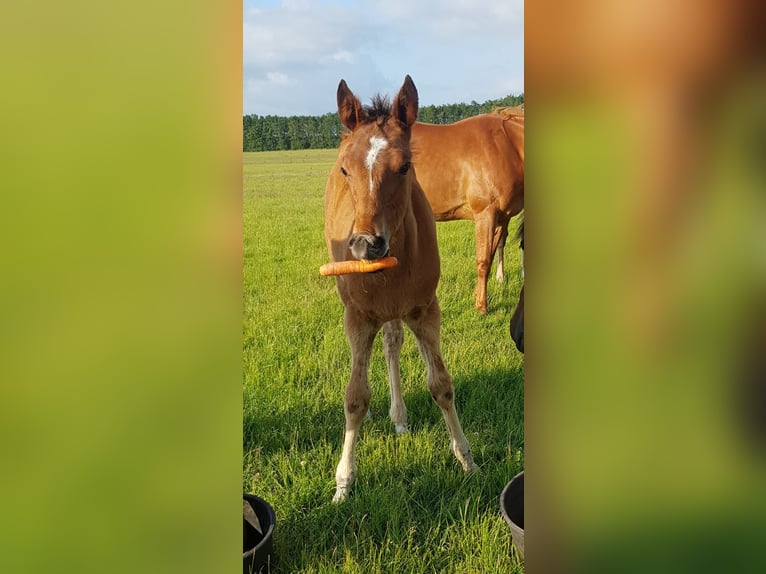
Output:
[[268, 133]]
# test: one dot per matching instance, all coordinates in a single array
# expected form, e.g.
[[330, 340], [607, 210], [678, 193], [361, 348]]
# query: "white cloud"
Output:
[[343, 56], [296, 51], [298, 31], [277, 78]]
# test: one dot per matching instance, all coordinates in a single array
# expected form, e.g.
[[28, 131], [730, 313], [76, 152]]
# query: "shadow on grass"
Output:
[[399, 511], [486, 400]]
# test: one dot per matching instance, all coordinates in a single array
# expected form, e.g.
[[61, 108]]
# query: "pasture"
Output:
[[411, 509]]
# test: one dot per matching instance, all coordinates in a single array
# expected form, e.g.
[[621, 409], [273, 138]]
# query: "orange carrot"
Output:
[[357, 266]]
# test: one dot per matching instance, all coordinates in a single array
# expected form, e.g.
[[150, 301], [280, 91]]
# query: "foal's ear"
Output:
[[349, 107], [406, 103]]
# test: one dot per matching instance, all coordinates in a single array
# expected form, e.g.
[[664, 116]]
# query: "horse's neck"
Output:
[[418, 226], [403, 236]]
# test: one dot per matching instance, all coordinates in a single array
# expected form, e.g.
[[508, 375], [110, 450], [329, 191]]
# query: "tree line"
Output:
[[269, 133]]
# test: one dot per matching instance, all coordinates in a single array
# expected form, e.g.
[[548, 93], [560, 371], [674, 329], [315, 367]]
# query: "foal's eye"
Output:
[[405, 168], [343, 171]]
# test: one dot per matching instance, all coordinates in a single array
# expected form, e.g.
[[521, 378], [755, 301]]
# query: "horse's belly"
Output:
[[454, 213]]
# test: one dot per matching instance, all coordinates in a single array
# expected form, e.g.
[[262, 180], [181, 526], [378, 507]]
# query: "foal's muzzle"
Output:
[[368, 246]]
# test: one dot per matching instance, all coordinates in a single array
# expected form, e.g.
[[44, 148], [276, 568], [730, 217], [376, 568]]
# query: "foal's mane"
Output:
[[378, 111], [379, 108]]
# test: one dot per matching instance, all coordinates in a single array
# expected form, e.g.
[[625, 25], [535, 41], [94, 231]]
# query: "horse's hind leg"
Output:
[[500, 248], [484, 225], [361, 335], [426, 327], [393, 335]]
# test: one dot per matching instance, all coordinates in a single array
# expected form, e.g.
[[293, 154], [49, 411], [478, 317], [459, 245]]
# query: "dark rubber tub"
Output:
[[257, 547], [512, 509]]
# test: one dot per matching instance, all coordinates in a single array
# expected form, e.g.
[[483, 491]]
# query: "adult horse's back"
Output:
[[375, 208], [474, 169]]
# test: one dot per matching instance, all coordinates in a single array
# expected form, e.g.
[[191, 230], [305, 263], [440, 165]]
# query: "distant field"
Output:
[[412, 509]]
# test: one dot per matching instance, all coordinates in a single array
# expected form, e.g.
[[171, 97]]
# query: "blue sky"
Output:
[[296, 51]]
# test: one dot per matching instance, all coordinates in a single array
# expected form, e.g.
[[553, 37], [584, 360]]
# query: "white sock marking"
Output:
[[377, 144]]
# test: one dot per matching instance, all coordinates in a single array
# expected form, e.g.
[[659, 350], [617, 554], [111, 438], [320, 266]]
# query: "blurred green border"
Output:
[[120, 343]]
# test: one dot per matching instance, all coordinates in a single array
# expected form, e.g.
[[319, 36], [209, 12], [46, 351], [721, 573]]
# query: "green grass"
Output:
[[411, 509]]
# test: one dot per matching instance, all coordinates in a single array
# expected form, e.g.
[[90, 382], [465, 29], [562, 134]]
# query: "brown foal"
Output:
[[374, 207]]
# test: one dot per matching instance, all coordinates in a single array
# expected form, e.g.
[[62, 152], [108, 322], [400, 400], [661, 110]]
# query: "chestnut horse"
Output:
[[474, 169], [374, 207]]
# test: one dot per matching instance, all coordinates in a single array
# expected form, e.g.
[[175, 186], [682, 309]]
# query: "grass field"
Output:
[[411, 509]]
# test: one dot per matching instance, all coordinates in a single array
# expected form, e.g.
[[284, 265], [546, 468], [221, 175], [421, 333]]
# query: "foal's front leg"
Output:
[[426, 328], [393, 336], [361, 334]]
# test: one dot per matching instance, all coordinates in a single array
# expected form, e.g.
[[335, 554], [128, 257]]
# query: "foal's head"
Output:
[[375, 161]]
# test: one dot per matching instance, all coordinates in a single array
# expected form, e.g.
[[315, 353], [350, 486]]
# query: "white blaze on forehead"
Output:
[[377, 144]]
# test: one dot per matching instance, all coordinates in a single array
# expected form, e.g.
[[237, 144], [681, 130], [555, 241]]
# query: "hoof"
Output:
[[401, 429], [341, 493], [465, 459]]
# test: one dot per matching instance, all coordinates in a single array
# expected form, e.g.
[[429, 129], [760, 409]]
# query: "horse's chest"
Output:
[[386, 296]]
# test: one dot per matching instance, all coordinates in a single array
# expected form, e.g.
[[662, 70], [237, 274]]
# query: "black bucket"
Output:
[[512, 509], [257, 546]]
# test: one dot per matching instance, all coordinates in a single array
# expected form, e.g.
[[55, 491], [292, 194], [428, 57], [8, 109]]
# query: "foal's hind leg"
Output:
[[361, 334], [393, 335], [426, 327]]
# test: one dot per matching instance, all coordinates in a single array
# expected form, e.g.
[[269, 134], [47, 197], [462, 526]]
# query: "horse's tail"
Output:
[[517, 319], [513, 125], [513, 113]]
